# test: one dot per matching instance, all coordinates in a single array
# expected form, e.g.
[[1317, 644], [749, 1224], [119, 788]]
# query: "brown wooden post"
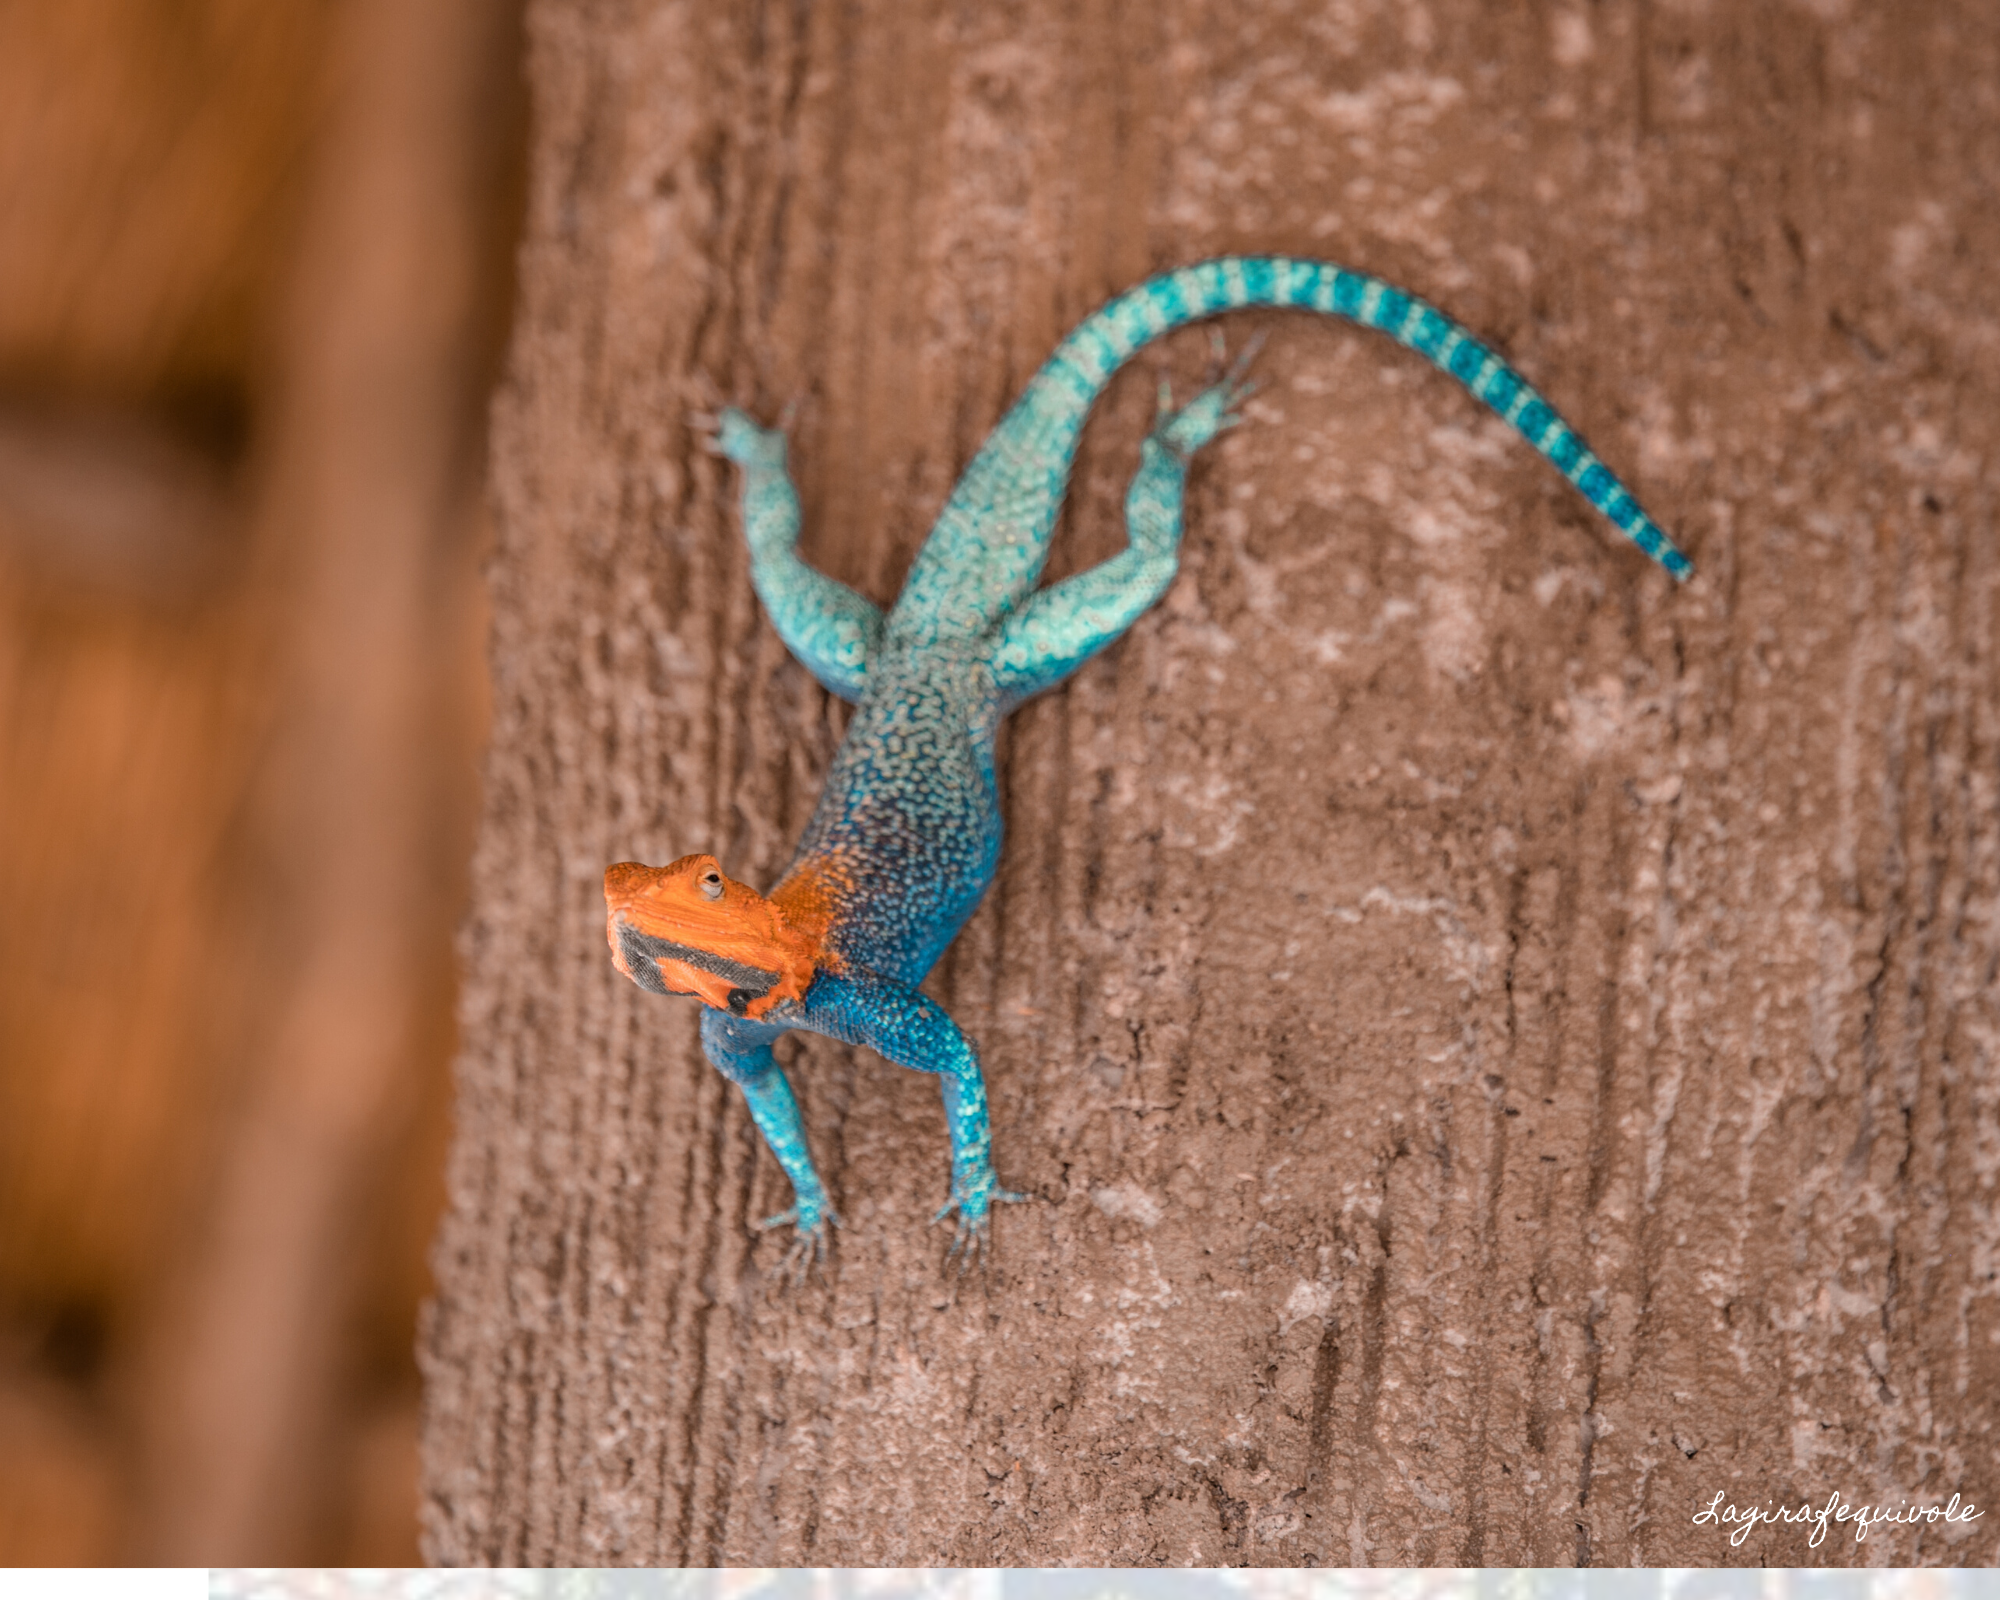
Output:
[[1503, 1048]]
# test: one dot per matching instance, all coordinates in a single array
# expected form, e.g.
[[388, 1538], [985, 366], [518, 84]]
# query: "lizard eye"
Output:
[[711, 884]]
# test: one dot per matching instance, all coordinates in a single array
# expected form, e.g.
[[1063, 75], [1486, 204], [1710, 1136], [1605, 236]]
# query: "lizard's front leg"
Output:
[[905, 1026], [741, 1052], [831, 630]]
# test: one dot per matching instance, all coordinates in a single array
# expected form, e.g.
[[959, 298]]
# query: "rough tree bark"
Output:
[[1503, 1049]]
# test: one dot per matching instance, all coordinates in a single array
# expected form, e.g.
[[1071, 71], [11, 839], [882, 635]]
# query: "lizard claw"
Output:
[[1215, 409], [1251, 347], [1218, 352], [735, 435], [1208, 414], [810, 1246], [1221, 370], [972, 1239], [739, 437]]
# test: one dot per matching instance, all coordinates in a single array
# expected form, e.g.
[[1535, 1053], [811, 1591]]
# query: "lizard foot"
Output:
[[810, 1245], [1209, 413], [743, 441], [972, 1240]]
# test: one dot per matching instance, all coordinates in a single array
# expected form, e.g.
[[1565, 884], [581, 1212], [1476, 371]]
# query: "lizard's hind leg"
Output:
[[1063, 626], [832, 630]]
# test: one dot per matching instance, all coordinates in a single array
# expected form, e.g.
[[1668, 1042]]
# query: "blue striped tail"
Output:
[[1084, 362], [991, 541]]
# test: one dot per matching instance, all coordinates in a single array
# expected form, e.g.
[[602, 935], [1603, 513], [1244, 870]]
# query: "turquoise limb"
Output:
[[1063, 626], [831, 630], [741, 1052], [907, 1027], [974, 1187]]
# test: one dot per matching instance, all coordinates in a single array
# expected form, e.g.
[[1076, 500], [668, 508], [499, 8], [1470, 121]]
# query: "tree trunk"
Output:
[[1502, 1048]]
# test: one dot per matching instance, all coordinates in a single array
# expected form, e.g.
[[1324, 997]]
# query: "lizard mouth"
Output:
[[643, 953]]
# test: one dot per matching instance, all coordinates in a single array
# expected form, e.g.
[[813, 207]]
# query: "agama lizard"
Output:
[[906, 835]]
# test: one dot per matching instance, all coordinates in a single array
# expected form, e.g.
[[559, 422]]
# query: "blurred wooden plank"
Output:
[[60, 1498], [149, 194], [363, 551]]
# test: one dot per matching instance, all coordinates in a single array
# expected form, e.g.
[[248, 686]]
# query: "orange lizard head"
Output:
[[686, 929]]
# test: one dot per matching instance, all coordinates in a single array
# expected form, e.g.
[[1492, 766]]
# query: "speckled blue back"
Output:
[[909, 820]]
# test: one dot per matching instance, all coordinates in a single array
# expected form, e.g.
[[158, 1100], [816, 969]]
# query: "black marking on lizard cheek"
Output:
[[739, 1001], [644, 970], [650, 949]]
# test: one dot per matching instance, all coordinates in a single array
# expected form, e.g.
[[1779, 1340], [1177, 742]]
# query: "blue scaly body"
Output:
[[906, 836]]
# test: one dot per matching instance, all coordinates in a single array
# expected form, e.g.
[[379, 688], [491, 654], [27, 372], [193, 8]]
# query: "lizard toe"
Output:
[[811, 1246]]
